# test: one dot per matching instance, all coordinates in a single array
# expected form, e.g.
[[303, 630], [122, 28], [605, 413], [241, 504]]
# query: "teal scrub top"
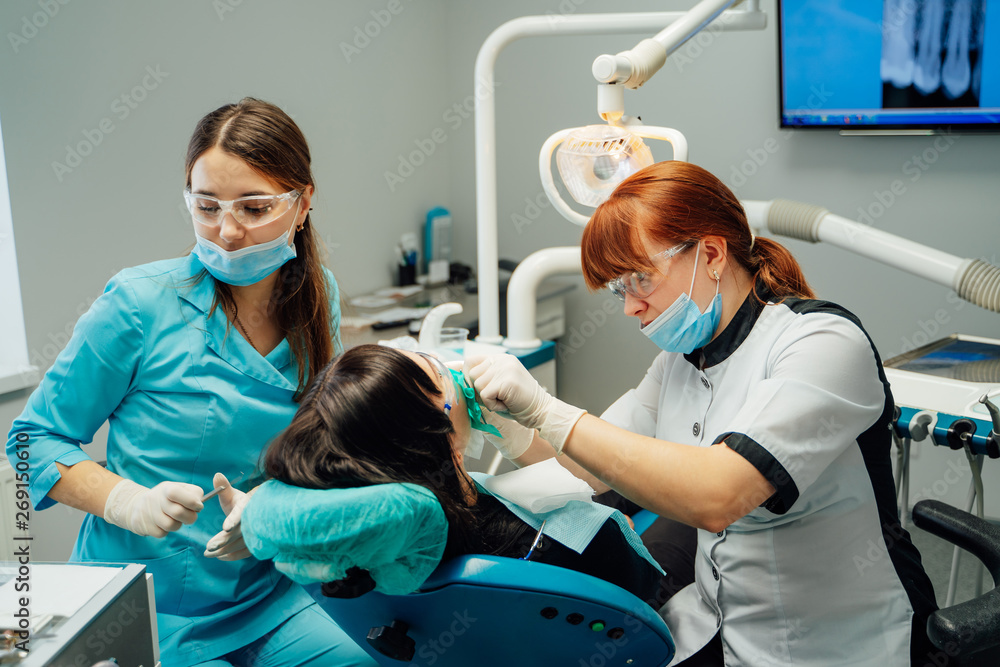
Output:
[[185, 396]]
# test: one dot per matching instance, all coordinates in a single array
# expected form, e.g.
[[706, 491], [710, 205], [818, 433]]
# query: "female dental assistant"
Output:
[[196, 363], [763, 423]]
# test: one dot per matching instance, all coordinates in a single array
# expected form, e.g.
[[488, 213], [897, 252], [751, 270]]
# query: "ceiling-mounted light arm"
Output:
[[636, 66]]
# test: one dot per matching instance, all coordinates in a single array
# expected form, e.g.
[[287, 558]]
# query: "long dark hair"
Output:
[[269, 141], [676, 202], [370, 418]]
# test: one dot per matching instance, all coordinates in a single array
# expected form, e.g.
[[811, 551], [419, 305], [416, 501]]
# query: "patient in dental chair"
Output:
[[370, 478]]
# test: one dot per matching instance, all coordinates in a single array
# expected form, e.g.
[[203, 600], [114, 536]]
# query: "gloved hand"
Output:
[[153, 512], [516, 438], [504, 383], [229, 544]]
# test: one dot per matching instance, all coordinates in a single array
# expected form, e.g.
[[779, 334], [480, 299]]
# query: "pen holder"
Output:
[[407, 274]]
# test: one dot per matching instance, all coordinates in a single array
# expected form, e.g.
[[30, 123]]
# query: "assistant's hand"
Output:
[[516, 438], [504, 383], [229, 544], [154, 512]]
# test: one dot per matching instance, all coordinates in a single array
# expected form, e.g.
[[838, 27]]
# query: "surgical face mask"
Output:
[[683, 327], [245, 266]]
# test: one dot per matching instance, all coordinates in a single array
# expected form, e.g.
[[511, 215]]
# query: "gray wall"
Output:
[[120, 205]]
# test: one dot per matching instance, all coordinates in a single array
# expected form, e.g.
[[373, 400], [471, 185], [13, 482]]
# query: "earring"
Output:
[[716, 274]]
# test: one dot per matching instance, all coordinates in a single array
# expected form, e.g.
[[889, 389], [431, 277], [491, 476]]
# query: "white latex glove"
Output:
[[505, 384], [516, 438], [154, 512], [229, 544]]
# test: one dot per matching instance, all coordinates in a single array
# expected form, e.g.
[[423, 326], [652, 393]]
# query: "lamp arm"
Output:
[[635, 67], [974, 280]]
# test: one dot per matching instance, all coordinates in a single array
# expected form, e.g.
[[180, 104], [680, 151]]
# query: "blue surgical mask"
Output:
[[683, 327], [245, 266]]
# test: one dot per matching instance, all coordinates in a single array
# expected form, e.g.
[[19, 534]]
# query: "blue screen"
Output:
[[890, 63]]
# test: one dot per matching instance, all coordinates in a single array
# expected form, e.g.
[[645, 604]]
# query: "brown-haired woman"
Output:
[[764, 424], [197, 362]]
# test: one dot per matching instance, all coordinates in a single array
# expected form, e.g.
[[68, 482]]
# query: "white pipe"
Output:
[[523, 286], [485, 125], [636, 66], [920, 260], [699, 16]]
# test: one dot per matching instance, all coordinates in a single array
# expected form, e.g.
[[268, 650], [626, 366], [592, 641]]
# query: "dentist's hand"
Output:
[[504, 383], [229, 544], [153, 512], [515, 440]]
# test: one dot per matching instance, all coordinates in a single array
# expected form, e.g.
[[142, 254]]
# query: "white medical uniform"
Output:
[[821, 572]]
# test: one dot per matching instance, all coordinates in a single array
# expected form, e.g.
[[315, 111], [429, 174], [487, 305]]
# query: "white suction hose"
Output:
[[974, 280]]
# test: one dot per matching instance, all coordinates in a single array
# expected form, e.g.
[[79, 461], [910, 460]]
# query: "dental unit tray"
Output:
[[947, 378]]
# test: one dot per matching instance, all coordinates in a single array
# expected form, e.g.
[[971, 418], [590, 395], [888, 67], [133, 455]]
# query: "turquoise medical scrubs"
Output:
[[186, 396]]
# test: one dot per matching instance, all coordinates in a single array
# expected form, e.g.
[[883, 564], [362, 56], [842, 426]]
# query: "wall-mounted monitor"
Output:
[[890, 65]]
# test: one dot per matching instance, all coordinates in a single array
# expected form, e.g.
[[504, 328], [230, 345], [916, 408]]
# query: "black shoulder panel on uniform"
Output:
[[786, 492]]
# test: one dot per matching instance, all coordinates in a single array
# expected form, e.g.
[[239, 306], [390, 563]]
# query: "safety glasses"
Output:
[[640, 284], [450, 398], [252, 211]]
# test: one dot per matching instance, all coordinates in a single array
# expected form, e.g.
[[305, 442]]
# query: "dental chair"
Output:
[[493, 611], [967, 634]]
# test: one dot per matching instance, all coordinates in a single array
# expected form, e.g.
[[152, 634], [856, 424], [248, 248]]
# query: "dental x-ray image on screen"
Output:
[[890, 65], [932, 53]]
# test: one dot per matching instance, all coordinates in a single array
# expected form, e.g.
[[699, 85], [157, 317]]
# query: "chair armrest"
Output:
[[973, 625], [977, 536]]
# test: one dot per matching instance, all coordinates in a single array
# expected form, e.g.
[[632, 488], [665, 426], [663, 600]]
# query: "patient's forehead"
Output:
[[430, 368]]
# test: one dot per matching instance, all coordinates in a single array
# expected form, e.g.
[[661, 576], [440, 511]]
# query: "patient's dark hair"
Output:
[[370, 417]]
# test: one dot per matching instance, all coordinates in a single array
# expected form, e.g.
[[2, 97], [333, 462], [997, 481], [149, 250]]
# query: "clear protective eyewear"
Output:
[[640, 284], [252, 211], [450, 397]]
